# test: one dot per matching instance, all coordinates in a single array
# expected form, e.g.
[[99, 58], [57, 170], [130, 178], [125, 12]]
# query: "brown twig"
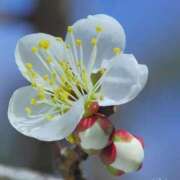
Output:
[[68, 159]]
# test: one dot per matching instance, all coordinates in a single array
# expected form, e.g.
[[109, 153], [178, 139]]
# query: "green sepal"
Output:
[[112, 170], [117, 139]]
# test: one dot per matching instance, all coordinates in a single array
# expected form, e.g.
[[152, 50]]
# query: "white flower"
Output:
[[67, 76]]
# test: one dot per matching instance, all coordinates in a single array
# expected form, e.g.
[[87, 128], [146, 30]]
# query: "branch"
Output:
[[12, 173], [68, 159]]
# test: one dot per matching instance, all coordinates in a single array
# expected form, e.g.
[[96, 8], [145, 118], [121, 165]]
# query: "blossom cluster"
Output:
[[120, 151], [70, 80]]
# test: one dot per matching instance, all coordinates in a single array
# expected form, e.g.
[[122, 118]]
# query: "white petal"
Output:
[[24, 54], [143, 74], [113, 36], [124, 80], [39, 127], [129, 155]]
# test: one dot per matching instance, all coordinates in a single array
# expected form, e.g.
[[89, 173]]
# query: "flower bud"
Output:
[[125, 154], [94, 132]]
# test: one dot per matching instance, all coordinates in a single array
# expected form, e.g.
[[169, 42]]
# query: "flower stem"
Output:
[[68, 160]]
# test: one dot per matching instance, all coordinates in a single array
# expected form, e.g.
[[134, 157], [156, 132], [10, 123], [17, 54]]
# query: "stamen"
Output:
[[44, 44], [116, 51], [65, 79], [34, 49], [94, 41], [74, 54], [93, 55], [28, 110], [46, 77], [78, 42], [70, 59], [49, 60], [33, 74], [99, 82], [29, 66], [50, 117], [62, 95], [33, 101], [43, 62], [73, 76], [41, 94], [70, 29], [34, 85], [53, 78], [99, 29], [30, 72], [53, 62]]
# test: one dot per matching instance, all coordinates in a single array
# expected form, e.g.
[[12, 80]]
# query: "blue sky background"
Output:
[[153, 36]]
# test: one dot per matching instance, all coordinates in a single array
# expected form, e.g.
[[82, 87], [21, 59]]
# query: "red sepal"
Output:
[[123, 134], [85, 123], [108, 154]]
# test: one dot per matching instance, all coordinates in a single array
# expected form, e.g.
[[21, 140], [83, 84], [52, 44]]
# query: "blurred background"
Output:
[[153, 36]]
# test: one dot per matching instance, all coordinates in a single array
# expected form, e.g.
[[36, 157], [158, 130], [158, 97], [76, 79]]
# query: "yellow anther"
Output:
[[33, 101], [34, 49], [33, 74], [70, 29], [61, 94], [94, 41], [29, 66], [34, 85], [50, 117], [41, 95], [78, 42], [117, 51], [49, 60], [44, 44], [28, 110], [67, 87], [99, 29], [46, 77]]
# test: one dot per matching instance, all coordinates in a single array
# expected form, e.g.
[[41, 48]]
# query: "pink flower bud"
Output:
[[125, 154], [94, 132]]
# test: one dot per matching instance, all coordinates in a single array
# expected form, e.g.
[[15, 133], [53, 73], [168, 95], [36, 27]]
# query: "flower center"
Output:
[[67, 80]]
